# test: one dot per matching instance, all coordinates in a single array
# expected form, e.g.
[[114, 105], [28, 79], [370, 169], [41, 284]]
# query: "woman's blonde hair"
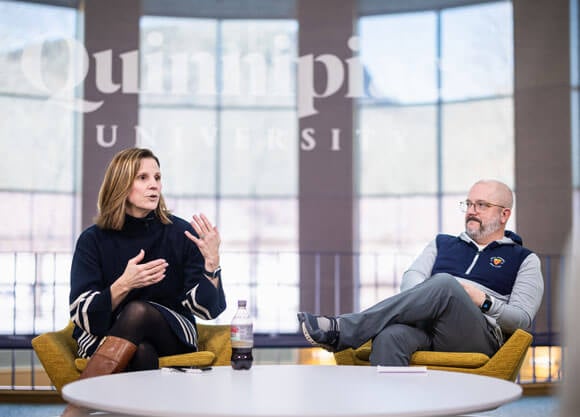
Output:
[[119, 177]]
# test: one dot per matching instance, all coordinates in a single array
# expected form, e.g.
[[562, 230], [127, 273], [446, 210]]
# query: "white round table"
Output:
[[291, 391]]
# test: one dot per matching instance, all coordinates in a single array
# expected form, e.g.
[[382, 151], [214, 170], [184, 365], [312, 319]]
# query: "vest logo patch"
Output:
[[496, 261]]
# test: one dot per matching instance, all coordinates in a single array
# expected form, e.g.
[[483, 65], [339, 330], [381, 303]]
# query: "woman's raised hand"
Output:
[[208, 241]]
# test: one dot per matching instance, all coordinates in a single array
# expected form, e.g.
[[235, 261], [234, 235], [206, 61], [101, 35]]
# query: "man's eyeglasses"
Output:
[[478, 205]]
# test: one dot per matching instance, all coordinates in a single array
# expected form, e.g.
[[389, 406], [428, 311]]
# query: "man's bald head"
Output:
[[499, 193]]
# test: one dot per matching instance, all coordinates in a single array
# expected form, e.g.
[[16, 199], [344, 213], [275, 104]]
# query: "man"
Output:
[[462, 294]]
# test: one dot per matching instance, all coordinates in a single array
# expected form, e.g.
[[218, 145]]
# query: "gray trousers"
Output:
[[434, 315]]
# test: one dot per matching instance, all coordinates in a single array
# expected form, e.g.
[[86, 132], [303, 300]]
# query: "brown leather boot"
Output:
[[112, 356]]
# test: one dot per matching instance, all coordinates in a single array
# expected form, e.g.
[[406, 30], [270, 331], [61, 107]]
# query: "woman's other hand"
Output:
[[138, 275]]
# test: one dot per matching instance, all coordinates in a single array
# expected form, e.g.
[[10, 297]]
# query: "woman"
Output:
[[140, 274]]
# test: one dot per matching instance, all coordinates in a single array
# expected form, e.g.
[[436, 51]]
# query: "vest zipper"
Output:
[[473, 263]]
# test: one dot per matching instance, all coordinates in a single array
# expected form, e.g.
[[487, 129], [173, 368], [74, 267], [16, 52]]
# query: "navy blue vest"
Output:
[[496, 267]]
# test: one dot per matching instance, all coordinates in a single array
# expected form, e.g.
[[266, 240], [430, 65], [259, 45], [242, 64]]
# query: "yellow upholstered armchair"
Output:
[[505, 364], [57, 352]]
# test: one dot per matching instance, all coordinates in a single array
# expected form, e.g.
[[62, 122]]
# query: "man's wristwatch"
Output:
[[213, 275], [486, 305]]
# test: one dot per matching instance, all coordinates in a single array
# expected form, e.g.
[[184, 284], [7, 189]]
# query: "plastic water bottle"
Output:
[[242, 336]]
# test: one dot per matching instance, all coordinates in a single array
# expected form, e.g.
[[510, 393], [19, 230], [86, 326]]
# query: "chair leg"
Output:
[[111, 356]]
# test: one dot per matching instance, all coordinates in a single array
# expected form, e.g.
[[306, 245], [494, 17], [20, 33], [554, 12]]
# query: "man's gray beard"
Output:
[[484, 231]]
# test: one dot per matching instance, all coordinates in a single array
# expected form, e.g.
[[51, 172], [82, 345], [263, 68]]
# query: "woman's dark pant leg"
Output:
[[143, 325]]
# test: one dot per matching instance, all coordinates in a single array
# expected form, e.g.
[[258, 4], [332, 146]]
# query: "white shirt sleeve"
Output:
[[524, 300], [421, 267]]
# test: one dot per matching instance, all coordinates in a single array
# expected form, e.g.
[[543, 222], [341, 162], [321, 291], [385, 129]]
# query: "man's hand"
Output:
[[477, 295]]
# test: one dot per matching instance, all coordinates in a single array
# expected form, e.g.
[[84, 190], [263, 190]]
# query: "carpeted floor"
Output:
[[532, 406], [31, 410]]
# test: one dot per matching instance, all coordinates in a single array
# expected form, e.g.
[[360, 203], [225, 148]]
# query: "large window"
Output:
[[218, 107], [38, 173], [437, 116]]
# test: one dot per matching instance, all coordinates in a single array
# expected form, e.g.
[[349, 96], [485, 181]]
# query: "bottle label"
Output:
[[242, 336]]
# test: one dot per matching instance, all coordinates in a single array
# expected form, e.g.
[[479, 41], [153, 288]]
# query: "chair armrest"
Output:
[[450, 359], [215, 338], [200, 358], [57, 355], [344, 357], [359, 356], [504, 364], [430, 358], [508, 360]]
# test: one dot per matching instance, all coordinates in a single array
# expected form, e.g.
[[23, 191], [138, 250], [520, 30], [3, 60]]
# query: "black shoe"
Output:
[[327, 339]]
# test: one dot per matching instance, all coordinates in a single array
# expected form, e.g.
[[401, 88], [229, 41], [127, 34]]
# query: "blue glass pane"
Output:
[[399, 57], [38, 155], [258, 62], [477, 51], [397, 150], [259, 153], [47, 34], [178, 61], [478, 142]]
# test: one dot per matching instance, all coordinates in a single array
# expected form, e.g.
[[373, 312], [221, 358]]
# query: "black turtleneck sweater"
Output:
[[101, 257]]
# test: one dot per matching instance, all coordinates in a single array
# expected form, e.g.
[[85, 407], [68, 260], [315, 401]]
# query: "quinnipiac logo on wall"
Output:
[[339, 72], [496, 261]]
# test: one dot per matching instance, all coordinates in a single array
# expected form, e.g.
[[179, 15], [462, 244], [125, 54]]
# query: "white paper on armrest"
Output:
[[402, 369]]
